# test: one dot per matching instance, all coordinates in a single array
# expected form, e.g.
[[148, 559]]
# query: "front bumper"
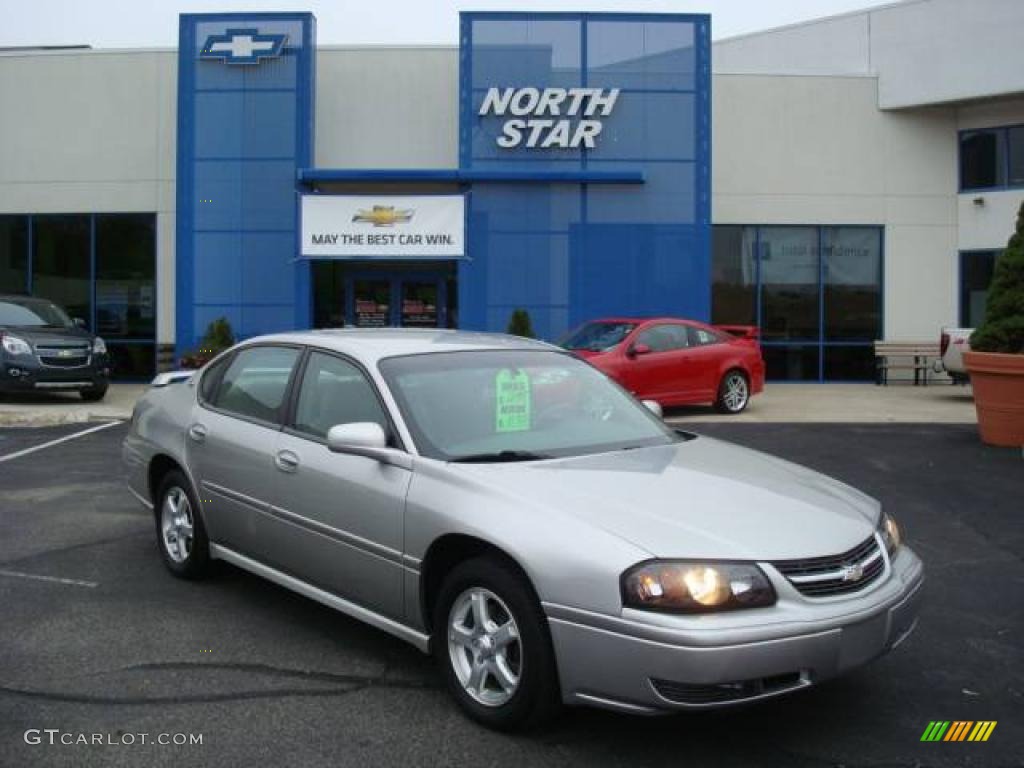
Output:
[[25, 373], [676, 662]]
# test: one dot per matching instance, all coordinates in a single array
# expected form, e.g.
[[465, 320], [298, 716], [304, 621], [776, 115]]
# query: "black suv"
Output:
[[44, 350]]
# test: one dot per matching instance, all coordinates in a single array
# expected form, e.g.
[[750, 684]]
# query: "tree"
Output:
[[1003, 329], [519, 324]]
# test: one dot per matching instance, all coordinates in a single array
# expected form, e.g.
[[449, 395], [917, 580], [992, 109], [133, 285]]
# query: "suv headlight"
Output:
[[674, 586], [891, 534], [15, 346], [99, 346]]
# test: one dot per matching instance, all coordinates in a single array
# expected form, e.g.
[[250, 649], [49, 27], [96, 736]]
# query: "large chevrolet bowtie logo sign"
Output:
[[242, 46]]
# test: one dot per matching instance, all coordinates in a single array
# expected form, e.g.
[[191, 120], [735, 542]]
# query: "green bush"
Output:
[[1003, 329], [217, 338], [519, 324]]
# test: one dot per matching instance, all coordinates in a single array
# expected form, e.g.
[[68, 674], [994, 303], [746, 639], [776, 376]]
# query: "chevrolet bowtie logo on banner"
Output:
[[384, 215], [958, 730], [242, 46]]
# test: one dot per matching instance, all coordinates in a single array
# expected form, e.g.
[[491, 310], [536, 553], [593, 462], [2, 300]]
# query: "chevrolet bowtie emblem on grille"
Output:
[[853, 572], [242, 46], [384, 215], [66, 353]]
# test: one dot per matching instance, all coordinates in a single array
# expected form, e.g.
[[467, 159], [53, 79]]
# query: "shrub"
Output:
[[519, 324], [1003, 329], [217, 338]]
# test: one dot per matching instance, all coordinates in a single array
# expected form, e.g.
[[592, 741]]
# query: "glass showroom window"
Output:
[[815, 292], [99, 267], [992, 158], [976, 268], [13, 254]]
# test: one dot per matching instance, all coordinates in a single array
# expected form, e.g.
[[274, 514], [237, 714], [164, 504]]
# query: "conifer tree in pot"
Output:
[[996, 359], [519, 324]]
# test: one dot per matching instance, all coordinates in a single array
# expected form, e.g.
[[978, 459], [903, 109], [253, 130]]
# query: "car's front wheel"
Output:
[[94, 394], [180, 533], [733, 392], [493, 645]]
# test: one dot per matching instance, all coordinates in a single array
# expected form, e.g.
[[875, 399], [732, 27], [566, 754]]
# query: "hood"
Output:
[[57, 336], [699, 499]]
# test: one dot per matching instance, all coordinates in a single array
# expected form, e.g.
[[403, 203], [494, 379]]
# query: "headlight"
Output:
[[891, 534], [99, 346], [693, 587], [15, 346]]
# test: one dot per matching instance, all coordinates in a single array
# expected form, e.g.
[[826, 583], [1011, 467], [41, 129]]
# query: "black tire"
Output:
[[94, 394], [726, 401], [536, 699], [195, 563]]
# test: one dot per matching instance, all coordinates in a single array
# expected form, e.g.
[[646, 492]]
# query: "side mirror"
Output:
[[639, 349], [653, 406], [79, 322], [365, 438]]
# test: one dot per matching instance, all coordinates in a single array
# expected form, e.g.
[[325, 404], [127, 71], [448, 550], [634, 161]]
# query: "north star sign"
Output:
[[530, 125], [242, 46]]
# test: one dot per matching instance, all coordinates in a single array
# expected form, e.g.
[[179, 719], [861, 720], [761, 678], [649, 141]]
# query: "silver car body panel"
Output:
[[352, 532]]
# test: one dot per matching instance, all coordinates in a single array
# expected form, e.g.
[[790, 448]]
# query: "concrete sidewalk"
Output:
[[846, 403], [780, 403], [40, 410]]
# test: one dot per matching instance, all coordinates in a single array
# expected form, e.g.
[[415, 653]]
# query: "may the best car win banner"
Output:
[[382, 226]]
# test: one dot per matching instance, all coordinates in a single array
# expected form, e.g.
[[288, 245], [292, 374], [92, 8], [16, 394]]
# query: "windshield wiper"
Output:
[[500, 456]]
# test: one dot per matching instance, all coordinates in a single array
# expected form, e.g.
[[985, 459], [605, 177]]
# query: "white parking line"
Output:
[[55, 579], [59, 440]]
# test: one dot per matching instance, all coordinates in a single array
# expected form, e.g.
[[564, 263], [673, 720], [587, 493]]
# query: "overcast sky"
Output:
[[153, 23]]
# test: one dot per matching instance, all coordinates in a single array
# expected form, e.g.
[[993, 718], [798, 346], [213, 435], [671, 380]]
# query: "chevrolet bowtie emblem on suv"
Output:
[[853, 572], [242, 46], [384, 215]]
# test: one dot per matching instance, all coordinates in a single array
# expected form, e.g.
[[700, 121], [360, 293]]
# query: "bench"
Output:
[[913, 356]]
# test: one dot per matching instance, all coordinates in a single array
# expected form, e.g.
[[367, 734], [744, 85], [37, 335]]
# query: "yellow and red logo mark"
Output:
[[384, 215], [958, 730]]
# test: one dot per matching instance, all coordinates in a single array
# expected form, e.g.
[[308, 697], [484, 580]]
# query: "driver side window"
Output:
[[663, 338], [334, 391]]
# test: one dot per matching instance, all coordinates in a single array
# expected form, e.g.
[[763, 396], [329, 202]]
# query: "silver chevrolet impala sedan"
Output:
[[504, 506]]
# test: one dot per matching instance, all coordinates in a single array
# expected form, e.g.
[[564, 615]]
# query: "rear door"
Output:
[[231, 438]]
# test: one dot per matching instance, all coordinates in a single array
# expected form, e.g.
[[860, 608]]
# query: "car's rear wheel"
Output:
[[180, 533], [733, 392], [492, 643], [93, 394]]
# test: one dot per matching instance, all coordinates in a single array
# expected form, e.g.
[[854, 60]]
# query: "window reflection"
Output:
[[60, 263]]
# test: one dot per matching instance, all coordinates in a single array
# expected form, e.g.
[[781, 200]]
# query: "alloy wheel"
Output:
[[177, 524], [736, 392], [485, 647]]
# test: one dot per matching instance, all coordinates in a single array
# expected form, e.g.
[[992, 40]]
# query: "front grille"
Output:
[[836, 574], [63, 355], [720, 693]]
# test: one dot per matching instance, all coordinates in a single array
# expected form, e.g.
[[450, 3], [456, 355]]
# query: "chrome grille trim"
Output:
[[840, 574]]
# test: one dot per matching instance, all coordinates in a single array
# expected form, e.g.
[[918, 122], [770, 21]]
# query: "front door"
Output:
[[399, 299]]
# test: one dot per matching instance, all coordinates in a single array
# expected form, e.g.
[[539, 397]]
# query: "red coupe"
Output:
[[675, 362]]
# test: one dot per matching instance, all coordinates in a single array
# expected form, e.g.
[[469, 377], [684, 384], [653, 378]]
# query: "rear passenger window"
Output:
[[333, 392], [700, 337], [255, 382]]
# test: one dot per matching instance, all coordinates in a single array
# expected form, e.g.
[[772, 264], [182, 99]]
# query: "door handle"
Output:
[[197, 432], [286, 461]]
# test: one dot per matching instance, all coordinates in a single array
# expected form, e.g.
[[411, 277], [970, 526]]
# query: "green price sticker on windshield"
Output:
[[512, 401]]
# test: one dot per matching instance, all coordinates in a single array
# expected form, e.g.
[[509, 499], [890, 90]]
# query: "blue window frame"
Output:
[[992, 158], [814, 291]]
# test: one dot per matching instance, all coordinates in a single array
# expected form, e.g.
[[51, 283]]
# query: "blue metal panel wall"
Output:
[[243, 131], [570, 252]]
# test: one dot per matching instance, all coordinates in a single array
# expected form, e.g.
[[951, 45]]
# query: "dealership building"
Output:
[[832, 182]]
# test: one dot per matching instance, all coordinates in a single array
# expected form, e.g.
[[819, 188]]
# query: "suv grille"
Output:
[[835, 575], [63, 355]]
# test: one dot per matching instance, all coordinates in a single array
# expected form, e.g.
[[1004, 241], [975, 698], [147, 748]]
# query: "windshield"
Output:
[[515, 406], [597, 337], [32, 313]]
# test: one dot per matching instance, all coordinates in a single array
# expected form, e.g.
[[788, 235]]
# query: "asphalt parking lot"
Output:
[[108, 642]]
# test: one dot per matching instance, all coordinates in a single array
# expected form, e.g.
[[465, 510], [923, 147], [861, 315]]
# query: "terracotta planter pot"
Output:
[[998, 382]]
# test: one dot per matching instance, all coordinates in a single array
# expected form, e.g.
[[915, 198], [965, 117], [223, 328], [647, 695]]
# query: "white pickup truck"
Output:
[[952, 345]]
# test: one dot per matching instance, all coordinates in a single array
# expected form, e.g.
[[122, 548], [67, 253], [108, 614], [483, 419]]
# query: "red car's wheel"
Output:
[[733, 392]]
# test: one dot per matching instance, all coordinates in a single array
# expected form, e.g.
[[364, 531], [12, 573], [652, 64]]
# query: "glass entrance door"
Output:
[[371, 303], [402, 299], [420, 304]]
